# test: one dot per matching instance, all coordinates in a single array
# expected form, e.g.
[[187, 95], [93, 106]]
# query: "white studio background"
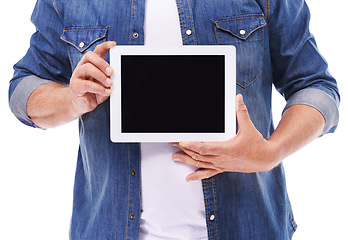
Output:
[[37, 167]]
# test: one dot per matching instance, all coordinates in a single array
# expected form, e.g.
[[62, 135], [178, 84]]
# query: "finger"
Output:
[[89, 72], [204, 148], [242, 114], [196, 156], [178, 157], [88, 86], [202, 174], [98, 62], [102, 49]]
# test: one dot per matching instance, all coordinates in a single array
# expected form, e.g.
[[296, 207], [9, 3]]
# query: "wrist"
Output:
[[72, 111], [275, 155]]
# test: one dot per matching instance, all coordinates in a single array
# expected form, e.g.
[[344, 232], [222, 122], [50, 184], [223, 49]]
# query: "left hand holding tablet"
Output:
[[247, 152]]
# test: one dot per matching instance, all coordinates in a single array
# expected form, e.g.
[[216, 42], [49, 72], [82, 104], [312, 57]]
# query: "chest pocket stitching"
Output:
[[86, 35], [75, 35], [250, 24], [234, 32]]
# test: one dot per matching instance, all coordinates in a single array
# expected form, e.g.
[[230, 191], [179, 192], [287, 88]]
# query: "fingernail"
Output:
[[241, 99], [176, 159], [188, 179], [108, 81], [175, 145], [184, 144], [108, 91], [109, 71]]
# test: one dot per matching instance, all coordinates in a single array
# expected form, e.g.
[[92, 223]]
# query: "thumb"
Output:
[[242, 115], [102, 49]]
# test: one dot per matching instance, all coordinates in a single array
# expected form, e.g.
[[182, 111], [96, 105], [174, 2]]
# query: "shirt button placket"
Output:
[[187, 22]]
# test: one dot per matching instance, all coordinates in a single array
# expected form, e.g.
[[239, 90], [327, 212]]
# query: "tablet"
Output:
[[172, 94]]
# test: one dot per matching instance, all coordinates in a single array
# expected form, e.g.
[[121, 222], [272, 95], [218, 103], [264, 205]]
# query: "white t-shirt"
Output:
[[171, 207]]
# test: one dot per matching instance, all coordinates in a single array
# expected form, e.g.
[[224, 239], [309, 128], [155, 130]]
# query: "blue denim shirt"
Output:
[[274, 47]]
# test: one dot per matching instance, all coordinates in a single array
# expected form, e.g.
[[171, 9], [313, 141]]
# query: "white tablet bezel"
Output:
[[116, 133]]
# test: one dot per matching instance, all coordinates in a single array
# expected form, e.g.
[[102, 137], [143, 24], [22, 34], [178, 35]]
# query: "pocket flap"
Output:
[[83, 38], [241, 27]]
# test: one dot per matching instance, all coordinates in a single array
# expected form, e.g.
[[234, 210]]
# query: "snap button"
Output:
[[132, 216], [188, 32], [242, 32], [212, 217], [134, 173], [82, 44], [135, 35]]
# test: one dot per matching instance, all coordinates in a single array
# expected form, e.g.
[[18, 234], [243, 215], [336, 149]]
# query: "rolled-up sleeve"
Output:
[[46, 60], [20, 96], [300, 73], [319, 100]]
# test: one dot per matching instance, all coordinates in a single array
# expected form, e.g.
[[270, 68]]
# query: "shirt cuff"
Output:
[[319, 100], [20, 96]]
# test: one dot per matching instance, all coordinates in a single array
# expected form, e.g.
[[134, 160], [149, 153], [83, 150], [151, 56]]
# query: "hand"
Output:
[[247, 152], [90, 82]]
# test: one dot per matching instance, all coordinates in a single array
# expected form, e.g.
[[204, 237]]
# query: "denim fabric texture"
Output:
[[274, 47]]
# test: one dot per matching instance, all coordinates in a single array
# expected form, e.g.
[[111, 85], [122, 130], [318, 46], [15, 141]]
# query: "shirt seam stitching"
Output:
[[191, 23], [181, 22], [128, 193], [131, 23], [268, 10], [55, 7], [206, 212], [215, 220]]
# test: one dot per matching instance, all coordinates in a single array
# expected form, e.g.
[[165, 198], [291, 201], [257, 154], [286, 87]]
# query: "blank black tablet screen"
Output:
[[173, 94]]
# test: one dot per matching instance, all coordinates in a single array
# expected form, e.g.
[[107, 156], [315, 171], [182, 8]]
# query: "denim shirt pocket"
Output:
[[82, 39], [246, 33]]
